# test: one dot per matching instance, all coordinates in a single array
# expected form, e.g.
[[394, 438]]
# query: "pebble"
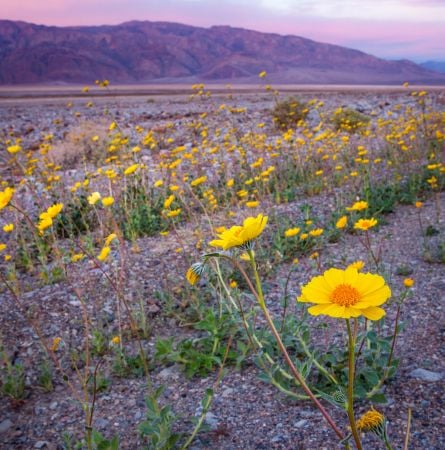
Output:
[[5, 425], [102, 423], [300, 423], [53, 405], [211, 420], [40, 444], [426, 375], [227, 392], [168, 372]]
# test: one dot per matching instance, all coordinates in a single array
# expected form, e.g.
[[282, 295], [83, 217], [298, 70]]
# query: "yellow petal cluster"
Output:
[[93, 198], [358, 206], [46, 218], [346, 293], [131, 169], [342, 222], [370, 420], [290, 232], [238, 235], [103, 255], [198, 181], [107, 201], [5, 197], [365, 224]]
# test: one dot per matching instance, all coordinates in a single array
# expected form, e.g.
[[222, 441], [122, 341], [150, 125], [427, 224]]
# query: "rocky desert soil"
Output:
[[246, 412]]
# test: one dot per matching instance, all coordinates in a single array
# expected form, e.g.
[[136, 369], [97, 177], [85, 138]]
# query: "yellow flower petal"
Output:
[[373, 313]]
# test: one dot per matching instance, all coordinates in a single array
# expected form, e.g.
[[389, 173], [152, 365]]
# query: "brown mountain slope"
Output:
[[149, 51]]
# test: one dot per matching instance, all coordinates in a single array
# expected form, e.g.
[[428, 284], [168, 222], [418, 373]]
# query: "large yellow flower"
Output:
[[238, 235], [346, 293]]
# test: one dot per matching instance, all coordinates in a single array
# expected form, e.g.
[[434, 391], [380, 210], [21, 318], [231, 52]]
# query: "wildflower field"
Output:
[[256, 269]]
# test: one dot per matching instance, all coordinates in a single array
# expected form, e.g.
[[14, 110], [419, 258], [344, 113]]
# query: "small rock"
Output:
[[426, 375], [168, 372], [306, 414], [40, 444], [300, 423], [102, 423], [5, 425], [211, 420], [277, 438], [53, 405], [227, 392], [138, 416]]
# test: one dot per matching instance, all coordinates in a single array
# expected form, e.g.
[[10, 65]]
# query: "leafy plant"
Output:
[[45, 377], [12, 377], [201, 355], [156, 429]]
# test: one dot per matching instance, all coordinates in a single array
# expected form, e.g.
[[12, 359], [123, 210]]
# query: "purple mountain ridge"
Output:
[[141, 52]]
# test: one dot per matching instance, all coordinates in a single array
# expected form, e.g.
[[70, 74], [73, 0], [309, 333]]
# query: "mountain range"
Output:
[[438, 66], [143, 51]]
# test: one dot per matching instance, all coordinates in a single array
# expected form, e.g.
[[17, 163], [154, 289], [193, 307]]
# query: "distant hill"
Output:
[[438, 66], [169, 52]]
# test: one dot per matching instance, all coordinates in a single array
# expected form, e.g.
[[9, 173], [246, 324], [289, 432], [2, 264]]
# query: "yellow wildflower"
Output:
[[77, 257], [252, 204], [55, 344], [5, 197], [198, 181], [168, 201], [8, 227], [290, 232], [13, 149], [408, 282], [370, 421], [365, 224], [346, 293], [107, 201], [358, 206], [359, 264], [238, 235], [316, 232], [103, 255], [111, 237], [94, 198], [131, 169], [194, 273], [342, 222], [54, 210], [45, 222], [174, 212]]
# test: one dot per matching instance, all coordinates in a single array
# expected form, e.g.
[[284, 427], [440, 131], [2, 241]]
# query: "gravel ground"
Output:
[[246, 413]]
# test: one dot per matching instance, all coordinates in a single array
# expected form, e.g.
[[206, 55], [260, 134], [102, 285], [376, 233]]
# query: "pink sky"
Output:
[[393, 29]]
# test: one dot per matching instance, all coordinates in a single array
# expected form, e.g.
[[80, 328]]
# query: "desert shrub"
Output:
[[349, 120], [78, 145], [288, 113]]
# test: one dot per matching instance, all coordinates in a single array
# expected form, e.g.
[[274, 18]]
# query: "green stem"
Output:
[[260, 298], [351, 351]]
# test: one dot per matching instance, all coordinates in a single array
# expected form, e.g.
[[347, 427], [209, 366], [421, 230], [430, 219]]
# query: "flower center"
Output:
[[345, 295]]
